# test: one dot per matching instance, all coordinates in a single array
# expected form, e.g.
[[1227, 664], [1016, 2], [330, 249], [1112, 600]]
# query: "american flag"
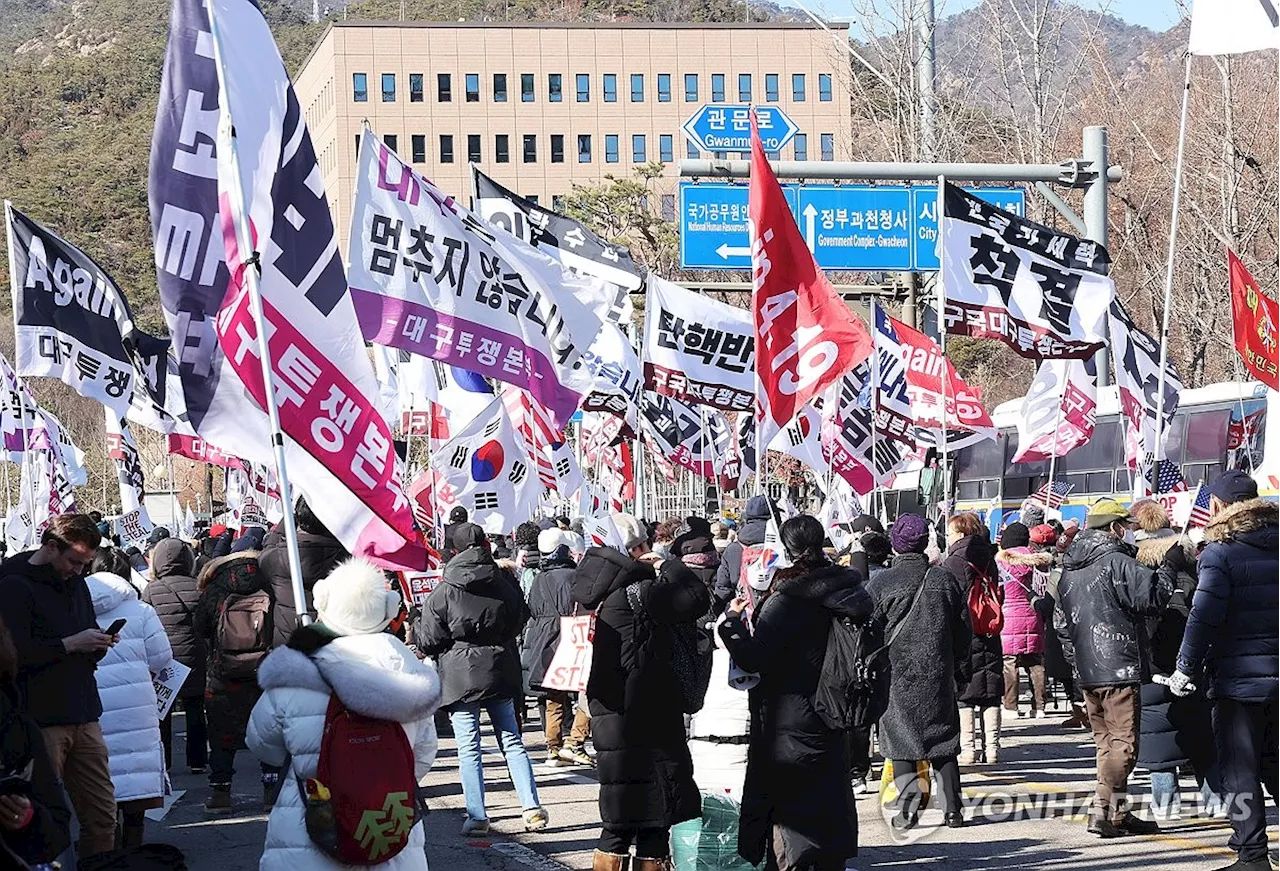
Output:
[[534, 425], [1169, 478], [1052, 498], [1200, 508]]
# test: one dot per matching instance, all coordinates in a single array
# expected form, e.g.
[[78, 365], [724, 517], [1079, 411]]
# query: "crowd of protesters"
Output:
[[708, 663]]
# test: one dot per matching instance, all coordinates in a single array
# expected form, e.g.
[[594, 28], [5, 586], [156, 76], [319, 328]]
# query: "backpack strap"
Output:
[[897, 630]]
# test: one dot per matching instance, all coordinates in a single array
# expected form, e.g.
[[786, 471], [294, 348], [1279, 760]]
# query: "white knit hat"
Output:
[[355, 600], [632, 530], [550, 539]]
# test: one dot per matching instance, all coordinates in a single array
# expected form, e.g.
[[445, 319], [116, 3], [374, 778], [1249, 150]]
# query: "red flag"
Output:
[[925, 365], [1255, 317], [806, 337]]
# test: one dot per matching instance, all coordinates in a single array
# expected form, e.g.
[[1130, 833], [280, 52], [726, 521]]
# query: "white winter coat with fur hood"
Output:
[[373, 675], [130, 724]]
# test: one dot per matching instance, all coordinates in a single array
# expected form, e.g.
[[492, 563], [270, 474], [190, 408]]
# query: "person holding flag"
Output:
[[1231, 634]]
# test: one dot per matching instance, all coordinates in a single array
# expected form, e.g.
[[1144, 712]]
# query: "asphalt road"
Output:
[[1026, 812]]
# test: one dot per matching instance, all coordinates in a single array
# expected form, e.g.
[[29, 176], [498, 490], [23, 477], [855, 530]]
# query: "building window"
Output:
[[744, 87], [664, 87], [501, 148], [584, 148], [584, 88], [637, 87], [533, 198], [388, 87], [668, 207], [611, 148], [610, 88], [526, 87], [717, 87], [665, 148], [771, 87], [690, 150], [801, 145], [391, 141], [415, 87], [824, 87], [797, 87], [444, 88], [473, 87], [360, 87], [828, 146], [637, 148], [357, 146], [418, 142], [530, 148], [691, 87], [473, 147], [557, 148], [446, 148], [499, 87], [554, 88]]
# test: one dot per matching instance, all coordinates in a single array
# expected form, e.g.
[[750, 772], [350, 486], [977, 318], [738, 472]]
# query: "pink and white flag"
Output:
[[1059, 410]]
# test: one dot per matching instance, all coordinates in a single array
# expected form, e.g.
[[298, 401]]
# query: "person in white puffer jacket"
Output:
[[130, 722], [373, 674]]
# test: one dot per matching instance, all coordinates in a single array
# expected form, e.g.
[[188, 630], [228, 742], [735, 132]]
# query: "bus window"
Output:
[[1021, 470], [1245, 440], [1100, 452], [982, 460], [1173, 447], [1020, 488], [1206, 439], [1098, 482], [1194, 473]]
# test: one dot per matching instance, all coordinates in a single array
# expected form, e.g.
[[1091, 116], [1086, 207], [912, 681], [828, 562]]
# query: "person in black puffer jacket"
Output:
[[729, 572], [318, 552], [551, 598], [1105, 624], [35, 823], [1175, 732], [1231, 635], [470, 622], [971, 558], [797, 803], [174, 595], [645, 770]]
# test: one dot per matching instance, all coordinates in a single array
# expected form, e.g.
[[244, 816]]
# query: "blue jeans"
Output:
[[466, 730], [1164, 791]]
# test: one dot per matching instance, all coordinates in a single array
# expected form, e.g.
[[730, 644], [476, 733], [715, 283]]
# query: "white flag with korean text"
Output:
[[429, 276], [339, 448], [1135, 358], [1041, 292], [1059, 410]]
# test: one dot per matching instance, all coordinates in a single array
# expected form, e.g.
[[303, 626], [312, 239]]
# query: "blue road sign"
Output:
[[859, 228], [925, 225], [727, 127], [855, 227], [713, 225]]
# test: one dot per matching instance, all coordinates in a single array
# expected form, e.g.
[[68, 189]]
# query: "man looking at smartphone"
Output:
[[46, 604]]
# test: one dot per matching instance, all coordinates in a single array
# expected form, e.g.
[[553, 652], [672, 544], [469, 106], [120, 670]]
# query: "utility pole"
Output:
[[926, 80], [1096, 156]]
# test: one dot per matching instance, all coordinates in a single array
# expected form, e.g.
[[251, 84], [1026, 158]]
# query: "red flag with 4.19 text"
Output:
[[1254, 315], [806, 337]]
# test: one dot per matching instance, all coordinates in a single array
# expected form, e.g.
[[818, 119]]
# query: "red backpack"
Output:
[[363, 802], [985, 611]]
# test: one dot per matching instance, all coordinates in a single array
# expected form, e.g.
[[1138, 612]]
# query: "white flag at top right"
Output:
[[1234, 26]]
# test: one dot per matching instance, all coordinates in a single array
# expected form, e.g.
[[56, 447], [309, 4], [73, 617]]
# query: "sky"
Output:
[[1158, 15]]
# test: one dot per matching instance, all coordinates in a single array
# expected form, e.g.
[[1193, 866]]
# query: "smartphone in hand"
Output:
[[114, 628]]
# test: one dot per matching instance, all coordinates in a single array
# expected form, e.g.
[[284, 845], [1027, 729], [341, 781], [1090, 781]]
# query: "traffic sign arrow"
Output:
[[726, 251], [810, 222], [727, 128]]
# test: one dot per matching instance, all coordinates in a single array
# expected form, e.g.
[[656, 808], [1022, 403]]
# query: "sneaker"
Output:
[[554, 760], [196, 769], [1040, 714], [904, 822], [575, 755], [219, 802], [536, 819], [860, 786], [475, 827], [1135, 826]]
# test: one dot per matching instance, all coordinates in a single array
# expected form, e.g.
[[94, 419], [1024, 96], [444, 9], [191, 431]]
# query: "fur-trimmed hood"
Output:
[[1151, 551], [230, 571], [1237, 520], [836, 588], [1024, 556], [373, 675]]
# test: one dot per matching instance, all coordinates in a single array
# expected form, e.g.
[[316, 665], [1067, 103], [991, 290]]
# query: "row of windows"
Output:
[[582, 84], [529, 147]]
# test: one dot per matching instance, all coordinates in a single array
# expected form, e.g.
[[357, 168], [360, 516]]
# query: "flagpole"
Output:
[[18, 383], [250, 273], [875, 408], [1158, 448], [1244, 420], [431, 466], [1053, 447], [173, 493], [942, 337]]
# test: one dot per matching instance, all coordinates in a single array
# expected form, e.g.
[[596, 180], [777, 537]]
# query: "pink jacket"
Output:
[[1023, 628]]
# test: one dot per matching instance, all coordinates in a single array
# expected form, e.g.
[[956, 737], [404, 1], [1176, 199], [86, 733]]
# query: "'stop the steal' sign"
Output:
[[727, 127]]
